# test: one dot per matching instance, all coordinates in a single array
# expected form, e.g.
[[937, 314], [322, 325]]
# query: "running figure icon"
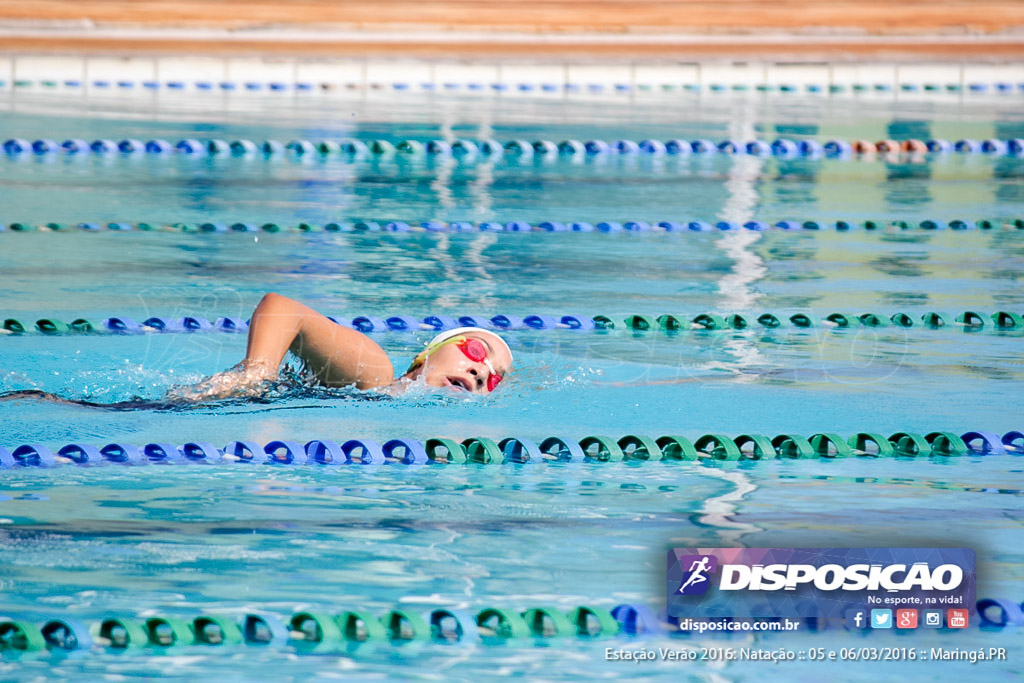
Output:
[[697, 570]]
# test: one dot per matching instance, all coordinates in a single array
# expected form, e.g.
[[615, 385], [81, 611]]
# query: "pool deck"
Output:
[[798, 30]]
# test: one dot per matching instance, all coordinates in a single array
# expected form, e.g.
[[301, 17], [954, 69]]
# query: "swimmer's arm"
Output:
[[337, 355]]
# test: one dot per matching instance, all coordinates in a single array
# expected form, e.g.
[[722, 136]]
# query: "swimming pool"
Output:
[[94, 541]]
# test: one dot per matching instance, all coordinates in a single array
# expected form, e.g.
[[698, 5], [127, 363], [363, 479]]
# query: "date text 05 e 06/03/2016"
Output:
[[780, 655]]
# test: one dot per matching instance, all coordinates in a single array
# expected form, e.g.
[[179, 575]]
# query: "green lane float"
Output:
[[20, 636], [167, 631], [361, 627], [212, 630], [501, 623], [120, 634], [601, 448], [445, 451], [867, 443], [677, 448], [946, 443], [830, 446], [315, 630], [671, 323], [710, 321], [404, 625], [793, 446], [910, 445], [718, 447], [548, 622], [755, 447], [482, 450], [639, 448], [593, 622]]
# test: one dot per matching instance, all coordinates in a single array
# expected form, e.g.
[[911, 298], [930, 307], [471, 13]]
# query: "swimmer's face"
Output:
[[449, 366]]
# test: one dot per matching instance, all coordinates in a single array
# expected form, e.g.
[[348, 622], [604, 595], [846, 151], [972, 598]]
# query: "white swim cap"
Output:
[[448, 334]]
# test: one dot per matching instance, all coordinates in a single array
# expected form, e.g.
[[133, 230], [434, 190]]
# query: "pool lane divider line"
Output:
[[315, 631], [111, 84], [353, 148], [524, 451], [626, 227], [971, 321]]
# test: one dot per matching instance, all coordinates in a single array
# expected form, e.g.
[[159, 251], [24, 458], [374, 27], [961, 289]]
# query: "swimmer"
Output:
[[469, 359]]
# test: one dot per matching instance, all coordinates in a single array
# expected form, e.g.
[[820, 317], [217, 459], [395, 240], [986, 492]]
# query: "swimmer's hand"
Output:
[[245, 380]]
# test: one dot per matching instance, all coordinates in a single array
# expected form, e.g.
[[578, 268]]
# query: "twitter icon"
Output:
[[881, 618]]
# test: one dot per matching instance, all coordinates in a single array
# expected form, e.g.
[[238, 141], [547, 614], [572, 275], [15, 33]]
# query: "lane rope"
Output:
[[524, 451], [354, 148], [633, 227], [128, 85], [969, 321], [316, 631]]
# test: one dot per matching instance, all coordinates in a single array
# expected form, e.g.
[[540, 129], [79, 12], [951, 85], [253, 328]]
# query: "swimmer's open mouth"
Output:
[[458, 382]]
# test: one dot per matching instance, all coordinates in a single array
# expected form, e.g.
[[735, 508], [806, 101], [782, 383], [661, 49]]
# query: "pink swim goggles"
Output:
[[475, 350]]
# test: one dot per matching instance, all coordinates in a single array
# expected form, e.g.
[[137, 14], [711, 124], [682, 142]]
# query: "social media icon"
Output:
[[856, 618], [906, 618], [956, 618], [933, 618], [881, 618]]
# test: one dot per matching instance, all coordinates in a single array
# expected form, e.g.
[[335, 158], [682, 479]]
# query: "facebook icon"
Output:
[[856, 619]]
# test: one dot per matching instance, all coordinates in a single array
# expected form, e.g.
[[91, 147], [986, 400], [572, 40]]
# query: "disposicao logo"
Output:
[[697, 580], [770, 582]]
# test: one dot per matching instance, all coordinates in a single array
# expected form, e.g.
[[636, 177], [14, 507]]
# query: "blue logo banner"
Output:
[[816, 582]]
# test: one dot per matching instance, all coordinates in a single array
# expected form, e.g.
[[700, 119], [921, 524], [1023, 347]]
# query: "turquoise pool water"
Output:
[[90, 542]]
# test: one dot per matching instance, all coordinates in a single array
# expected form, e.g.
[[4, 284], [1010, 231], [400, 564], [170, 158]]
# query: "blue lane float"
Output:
[[470, 149], [521, 450]]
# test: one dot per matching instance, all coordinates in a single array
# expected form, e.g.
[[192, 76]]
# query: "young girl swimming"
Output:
[[469, 359]]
